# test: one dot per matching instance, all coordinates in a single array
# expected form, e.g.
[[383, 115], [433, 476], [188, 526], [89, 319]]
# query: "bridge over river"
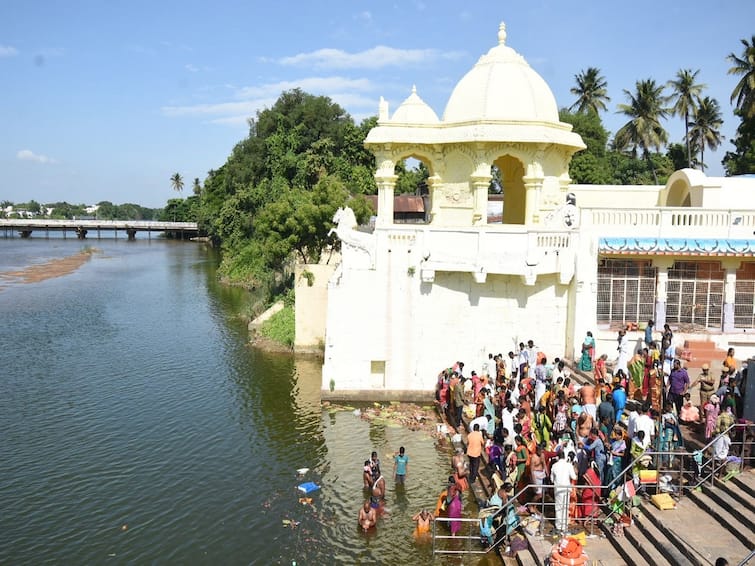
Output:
[[82, 228]]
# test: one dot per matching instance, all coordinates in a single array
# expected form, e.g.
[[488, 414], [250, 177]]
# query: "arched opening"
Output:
[[678, 194], [514, 195], [412, 195]]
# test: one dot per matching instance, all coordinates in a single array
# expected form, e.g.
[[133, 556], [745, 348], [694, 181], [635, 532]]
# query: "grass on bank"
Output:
[[280, 327]]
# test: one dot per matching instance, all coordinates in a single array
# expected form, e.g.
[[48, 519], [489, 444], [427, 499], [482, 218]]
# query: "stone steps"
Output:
[[625, 551], [705, 352], [730, 519], [647, 540], [731, 496]]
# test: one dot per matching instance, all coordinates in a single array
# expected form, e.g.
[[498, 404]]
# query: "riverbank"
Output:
[[49, 269]]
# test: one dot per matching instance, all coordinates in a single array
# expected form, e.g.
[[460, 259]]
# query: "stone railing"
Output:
[[670, 222], [510, 249]]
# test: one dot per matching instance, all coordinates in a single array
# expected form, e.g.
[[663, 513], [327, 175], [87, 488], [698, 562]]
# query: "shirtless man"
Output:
[[585, 424], [587, 399], [537, 471], [367, 516]]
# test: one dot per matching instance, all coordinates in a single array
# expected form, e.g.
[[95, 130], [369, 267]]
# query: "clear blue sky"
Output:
[[106, 100]]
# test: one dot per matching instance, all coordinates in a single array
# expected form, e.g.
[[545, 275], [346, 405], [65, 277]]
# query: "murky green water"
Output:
[[139, 428]]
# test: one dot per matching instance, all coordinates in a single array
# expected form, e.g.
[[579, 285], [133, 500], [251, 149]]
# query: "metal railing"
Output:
[[600, 506]]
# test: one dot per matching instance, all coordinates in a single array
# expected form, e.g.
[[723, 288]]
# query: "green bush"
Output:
[[280, 327]]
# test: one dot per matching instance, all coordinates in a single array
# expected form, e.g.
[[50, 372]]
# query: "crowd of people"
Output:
[[529, 422], [536, 424]]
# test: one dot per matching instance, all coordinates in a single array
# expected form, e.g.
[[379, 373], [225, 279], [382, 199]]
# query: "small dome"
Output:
[[414, 110], [501, 86]]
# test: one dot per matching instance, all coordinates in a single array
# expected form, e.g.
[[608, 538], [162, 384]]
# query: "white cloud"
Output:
[[246, 107], [374, 58], [308, 84], [191, 68], [29, 155], [8, 51]]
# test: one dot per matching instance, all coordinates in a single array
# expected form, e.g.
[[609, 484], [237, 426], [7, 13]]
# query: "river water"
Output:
[[138, 427]]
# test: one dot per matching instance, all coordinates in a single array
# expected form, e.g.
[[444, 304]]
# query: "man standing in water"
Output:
[[367, 516], [375, 466], [401, 465]]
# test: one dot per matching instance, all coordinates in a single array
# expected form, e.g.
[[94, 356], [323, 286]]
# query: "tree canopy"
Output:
[[274, 198]]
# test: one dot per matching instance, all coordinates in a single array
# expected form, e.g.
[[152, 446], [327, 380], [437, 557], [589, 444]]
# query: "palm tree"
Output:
[[644, 130], [177, 182], [197, 188], [744, 92], [685, 91], [706, 126], [591, 91]]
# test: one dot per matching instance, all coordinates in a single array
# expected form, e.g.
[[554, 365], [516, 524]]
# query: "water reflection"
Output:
[[131, 397]]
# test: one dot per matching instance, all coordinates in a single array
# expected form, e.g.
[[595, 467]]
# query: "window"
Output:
[[744, 297], [626, 290], [695, 294]]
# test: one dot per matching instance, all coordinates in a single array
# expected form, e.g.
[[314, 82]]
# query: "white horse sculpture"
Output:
[[346, 230]]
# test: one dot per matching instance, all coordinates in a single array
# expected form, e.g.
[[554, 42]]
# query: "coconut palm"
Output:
[[591, 91], [196, 187], [705, 128], [177, 182], [744, 92], [644, 130], [685, 92]]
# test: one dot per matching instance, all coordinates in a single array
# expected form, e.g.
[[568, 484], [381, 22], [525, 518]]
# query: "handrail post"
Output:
[[542, 510], [742, 449]]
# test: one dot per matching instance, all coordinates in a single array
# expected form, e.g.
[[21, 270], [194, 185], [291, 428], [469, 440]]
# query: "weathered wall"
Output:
[[311, 305]]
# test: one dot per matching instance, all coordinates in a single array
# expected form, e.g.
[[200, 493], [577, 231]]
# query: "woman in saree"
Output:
[[600, 373], [588, 353], [712, 409]]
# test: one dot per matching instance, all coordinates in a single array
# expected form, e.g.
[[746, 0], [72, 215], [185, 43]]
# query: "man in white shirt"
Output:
[[507, 420], [562, 474], [482, 421], [646, 423], [721, 448]]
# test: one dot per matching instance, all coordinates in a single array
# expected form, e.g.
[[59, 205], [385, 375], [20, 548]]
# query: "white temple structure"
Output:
[[409, 299]]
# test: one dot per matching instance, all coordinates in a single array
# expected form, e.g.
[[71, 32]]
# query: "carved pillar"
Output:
[[385, 184], [480, 184], [433, 182], [730, 288], [532, 187], [661, 291]]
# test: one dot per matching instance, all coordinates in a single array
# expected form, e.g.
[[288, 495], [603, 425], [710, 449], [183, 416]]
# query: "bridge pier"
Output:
[[81, 233], [25, 233], [131, 232]]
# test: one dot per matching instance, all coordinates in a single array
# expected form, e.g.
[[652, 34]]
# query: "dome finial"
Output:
[[414, 89], [502, 34]]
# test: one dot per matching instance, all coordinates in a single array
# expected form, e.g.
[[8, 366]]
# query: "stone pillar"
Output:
[[661, 290], [730, 288], [433, 182], [385, 184], [480, 184], [532, 186]]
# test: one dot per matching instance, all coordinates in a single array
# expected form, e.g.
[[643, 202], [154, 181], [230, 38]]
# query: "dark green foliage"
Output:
[[597, 165], [274, 199], [741, 161]]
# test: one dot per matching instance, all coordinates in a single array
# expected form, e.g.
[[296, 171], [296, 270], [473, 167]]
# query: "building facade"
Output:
[[409, 299]]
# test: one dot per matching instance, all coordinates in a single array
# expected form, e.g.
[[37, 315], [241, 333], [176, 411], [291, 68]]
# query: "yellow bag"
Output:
[[663, 501]]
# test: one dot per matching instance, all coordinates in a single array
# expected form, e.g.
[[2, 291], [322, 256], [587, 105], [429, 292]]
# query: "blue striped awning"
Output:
[[676, 246]]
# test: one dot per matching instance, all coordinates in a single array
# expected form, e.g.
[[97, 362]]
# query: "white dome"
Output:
[[501, 86], [414, 110]]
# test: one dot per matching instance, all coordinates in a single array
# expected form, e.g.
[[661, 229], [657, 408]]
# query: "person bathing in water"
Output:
[[367, 516]]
